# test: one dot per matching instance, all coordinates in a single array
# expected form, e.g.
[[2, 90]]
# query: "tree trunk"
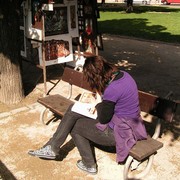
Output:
[[11, 88]]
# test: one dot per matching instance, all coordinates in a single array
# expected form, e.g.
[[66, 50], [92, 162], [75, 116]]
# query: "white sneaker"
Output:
[[45, 152]]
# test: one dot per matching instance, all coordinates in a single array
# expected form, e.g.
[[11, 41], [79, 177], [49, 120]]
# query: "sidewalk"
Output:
[[21, 129]]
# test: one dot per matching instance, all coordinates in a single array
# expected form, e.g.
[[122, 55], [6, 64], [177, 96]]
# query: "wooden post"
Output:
[[43, 57]]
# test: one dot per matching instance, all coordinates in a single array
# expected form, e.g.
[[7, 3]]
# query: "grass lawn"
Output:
[[148, 22]]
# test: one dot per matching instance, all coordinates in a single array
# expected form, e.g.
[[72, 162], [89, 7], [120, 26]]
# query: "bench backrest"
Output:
[[151, 104], [76, 78], [157, 106]]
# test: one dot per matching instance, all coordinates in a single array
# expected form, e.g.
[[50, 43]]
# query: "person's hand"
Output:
[[92, 110], [98, 98]]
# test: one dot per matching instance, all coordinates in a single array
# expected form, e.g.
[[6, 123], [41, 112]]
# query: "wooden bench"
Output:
[[151, 105]]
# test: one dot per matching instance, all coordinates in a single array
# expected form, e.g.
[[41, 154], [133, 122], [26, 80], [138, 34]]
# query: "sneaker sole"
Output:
[[85, 170], [41, 156]]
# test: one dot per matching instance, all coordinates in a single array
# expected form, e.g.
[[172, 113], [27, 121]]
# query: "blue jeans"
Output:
[[83, 132]]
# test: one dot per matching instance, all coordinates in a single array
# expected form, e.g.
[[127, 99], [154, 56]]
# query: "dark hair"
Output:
[[97, 71]]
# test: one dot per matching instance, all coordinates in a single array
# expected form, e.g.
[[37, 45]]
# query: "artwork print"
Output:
[[56, 49], [73, 16], [56, 21]]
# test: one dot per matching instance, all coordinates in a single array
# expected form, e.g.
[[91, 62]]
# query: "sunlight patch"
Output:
[[125, 63], [20, 174], [6, 120], [33, 132]]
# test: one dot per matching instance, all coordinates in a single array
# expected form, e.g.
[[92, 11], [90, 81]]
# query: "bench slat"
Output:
[[56, 103], [156, 106], [147, 101], [145, 148]]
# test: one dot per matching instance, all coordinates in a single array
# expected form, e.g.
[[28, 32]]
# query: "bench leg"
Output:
[[45, 116], [70, 92], [127, 168]]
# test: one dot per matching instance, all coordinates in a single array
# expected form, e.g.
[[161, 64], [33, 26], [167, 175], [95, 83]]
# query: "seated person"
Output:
[[118, 123]]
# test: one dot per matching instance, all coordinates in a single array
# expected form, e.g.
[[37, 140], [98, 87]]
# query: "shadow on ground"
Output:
[[5, 173]]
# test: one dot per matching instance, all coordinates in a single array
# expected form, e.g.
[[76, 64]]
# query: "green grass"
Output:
[[147, 22]]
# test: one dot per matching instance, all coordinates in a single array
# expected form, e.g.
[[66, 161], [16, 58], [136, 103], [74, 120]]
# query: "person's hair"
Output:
[[97, 71]]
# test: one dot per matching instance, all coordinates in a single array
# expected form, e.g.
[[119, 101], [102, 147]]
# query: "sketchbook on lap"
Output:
[[85, 105], [84, 109]]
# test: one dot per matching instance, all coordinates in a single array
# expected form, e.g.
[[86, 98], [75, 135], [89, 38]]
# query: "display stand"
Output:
[[62, 31]]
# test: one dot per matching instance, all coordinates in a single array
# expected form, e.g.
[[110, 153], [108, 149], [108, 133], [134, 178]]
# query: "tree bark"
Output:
[[11, 87]]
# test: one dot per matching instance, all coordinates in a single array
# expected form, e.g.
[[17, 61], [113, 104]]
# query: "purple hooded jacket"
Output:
[[126, 133], [126, 122]]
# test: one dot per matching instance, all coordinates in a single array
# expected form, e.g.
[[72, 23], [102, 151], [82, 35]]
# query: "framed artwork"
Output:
[[88, 8], [73, 16], [58, 49], [88, 36], [73, 19], [56, 21]]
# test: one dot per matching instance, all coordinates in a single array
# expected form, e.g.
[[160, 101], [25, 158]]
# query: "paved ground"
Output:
[[155, 66]]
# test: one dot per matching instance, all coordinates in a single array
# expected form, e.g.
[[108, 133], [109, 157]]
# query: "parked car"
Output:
[[144, 2], [170, 1]]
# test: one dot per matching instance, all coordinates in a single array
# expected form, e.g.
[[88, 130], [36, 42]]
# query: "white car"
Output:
[[144, 2]]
